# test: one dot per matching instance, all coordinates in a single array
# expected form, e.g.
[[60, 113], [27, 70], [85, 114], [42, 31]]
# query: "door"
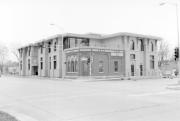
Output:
[[35, 70], [84, 68], [132, 70]]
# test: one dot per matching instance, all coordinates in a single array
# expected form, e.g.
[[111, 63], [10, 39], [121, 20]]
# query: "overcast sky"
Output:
[[27, 21]]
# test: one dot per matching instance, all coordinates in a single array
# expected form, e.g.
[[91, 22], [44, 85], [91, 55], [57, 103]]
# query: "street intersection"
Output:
[[42, 99]]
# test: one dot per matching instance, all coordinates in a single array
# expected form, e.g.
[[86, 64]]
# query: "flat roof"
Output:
[[94, 36]]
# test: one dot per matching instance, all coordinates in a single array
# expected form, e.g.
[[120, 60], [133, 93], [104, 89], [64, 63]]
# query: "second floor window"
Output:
[[152, 46], [55, 45], [85, 42], [21, 54], [141, 45], [66, 43], [132, 45], [132, 56], [76, 42], [29, 52], [41, 49], [49, 47]]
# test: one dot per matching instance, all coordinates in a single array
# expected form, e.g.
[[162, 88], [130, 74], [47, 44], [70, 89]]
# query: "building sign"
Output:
[[116, 54], [84, 58]]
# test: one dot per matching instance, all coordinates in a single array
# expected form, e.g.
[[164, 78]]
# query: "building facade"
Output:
[[120, 54]]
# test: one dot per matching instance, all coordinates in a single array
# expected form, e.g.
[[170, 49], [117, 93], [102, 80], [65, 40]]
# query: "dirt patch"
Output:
[[6, 117]]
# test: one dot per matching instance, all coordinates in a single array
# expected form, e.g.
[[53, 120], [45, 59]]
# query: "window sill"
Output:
[[101, 72], [72, 72]]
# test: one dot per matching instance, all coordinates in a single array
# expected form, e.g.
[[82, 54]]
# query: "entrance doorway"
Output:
[[34, 70], [132, 70], [84, 68]]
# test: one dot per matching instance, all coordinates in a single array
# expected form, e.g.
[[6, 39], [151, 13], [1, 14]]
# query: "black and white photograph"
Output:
[[89, 60]]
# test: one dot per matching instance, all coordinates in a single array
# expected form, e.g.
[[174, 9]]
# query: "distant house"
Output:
[[168, 65], [121, 54], [13, 70]]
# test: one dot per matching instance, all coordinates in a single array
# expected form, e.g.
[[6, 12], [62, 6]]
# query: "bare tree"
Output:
[[16, 54], [163, 52], [3, 54], [14, 50]]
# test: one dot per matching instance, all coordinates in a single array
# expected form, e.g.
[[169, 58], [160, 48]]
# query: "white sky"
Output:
[[25, 21]]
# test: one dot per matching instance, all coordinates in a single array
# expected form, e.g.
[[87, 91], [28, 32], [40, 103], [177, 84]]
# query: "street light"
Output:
[[177, 20], [62, 37]]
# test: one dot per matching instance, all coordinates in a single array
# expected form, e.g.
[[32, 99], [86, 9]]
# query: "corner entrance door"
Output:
[[34, 70], [84, 68], [132, 70]]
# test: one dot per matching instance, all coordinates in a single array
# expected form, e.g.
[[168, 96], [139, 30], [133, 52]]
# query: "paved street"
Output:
[[34, 99]]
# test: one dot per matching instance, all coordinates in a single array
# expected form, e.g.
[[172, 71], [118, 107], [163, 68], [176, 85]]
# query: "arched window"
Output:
[[101, 66], [75, 65], [72, 65], [152, 47], [132, 45], [68, 65]]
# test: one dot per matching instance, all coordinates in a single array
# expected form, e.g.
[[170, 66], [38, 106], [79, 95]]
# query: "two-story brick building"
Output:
[[120, 54]]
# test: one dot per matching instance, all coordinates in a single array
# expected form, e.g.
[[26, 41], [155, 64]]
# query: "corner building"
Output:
[[74, 55]]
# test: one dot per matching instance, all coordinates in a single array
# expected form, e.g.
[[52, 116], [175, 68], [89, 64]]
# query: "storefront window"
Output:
[[68, 66], [76, 64], [72, 64]]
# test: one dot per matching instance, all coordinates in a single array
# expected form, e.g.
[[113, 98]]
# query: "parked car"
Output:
[[167, 74]]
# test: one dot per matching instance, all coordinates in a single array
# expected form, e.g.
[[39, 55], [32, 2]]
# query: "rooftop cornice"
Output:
[[93, 36]]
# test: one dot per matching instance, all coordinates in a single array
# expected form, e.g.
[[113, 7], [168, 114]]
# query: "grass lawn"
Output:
[[6, 117]]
